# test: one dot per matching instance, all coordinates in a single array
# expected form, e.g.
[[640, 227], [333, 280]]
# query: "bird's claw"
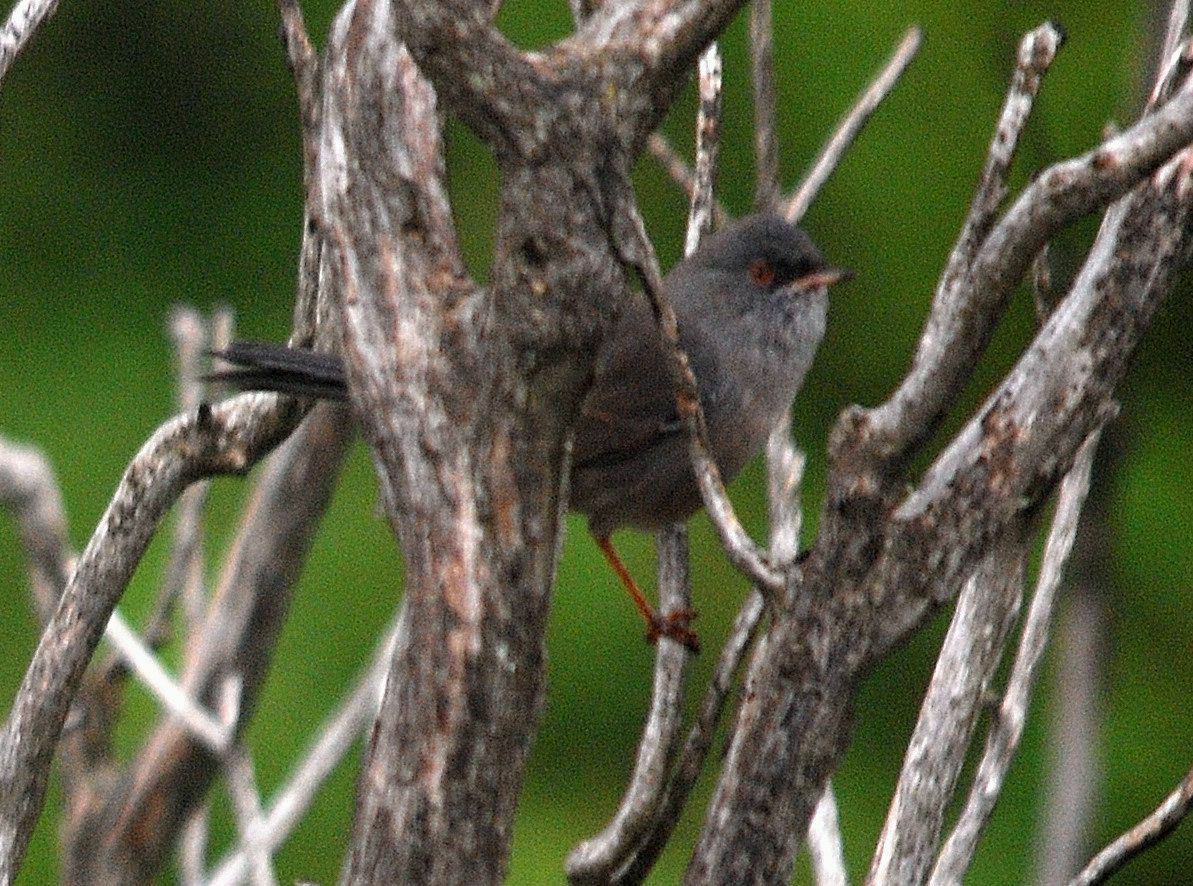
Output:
[[675, 625]]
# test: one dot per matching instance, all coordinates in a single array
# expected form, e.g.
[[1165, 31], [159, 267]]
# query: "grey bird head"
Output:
[[751, 305]]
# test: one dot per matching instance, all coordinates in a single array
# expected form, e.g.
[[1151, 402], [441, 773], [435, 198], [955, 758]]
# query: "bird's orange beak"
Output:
[[824, 277]]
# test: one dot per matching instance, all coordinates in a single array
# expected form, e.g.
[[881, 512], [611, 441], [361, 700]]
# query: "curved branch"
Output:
[[132, 832], [1151, 830], [227, 438], [485, 79], [598, 858], [638, 253]]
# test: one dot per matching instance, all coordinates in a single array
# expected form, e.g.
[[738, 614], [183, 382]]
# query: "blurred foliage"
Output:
[[149, 156]]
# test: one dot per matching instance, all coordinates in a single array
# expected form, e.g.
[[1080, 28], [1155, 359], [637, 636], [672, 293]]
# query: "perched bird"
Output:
[[751, 305]]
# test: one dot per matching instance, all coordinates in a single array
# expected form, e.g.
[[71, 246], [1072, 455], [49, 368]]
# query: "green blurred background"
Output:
[[149, 156]]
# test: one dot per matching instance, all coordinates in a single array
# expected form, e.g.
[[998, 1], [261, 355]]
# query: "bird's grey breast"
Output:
[[748, 388]]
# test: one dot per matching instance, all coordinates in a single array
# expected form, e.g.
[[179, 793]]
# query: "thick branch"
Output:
[[1007, 726], [481, 75], [875, 573], [647, 48], [470, 463], [968, 305]]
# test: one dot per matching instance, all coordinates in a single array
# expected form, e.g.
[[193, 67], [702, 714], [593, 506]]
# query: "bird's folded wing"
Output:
[[631, 405]]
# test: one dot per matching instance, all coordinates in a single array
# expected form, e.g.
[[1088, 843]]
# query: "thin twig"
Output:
[[851, 126], [246, 806], [908, 416], [311, 314], [206, 728], [195, 595], [1073, 765], [1171, 55], [1169, 77], [766, 138], [697, 744], [1078, 677], [192, 847], [339, 733], [188, 329], [227, 438], [1151, 830], [24, 20], [597, 858], [681, 173], [1178, 17], [637, 252], [1037, 51], [29, 490], [708, 150], [824, 843], [785, 465], [1007, 726]]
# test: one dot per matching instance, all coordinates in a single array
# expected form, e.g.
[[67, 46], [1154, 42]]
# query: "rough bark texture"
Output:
[[128, 836], [467, 395]]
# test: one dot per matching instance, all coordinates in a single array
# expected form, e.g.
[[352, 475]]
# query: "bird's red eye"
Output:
[[762, 272]]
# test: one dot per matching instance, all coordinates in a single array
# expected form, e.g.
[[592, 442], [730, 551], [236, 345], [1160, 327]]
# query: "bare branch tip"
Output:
[[851, 125]]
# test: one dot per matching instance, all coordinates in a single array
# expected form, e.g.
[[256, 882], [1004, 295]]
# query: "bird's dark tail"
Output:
[[299, 372]]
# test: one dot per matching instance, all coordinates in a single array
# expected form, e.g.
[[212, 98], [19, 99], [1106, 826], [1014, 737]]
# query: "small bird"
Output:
[[751, 304]]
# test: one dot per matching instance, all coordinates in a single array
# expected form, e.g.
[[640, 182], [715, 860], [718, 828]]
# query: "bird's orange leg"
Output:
[[674, 625]]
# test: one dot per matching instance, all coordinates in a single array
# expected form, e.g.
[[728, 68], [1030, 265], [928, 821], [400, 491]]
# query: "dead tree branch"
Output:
[[227, 438], [129, 835], [597, 859], [796, 206], [22, 23], [1007, 725], [1155, 827], [883, 559], [986, 611], [467, 396]]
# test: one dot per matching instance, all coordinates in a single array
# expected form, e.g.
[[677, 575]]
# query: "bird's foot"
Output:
[[674, 625]]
